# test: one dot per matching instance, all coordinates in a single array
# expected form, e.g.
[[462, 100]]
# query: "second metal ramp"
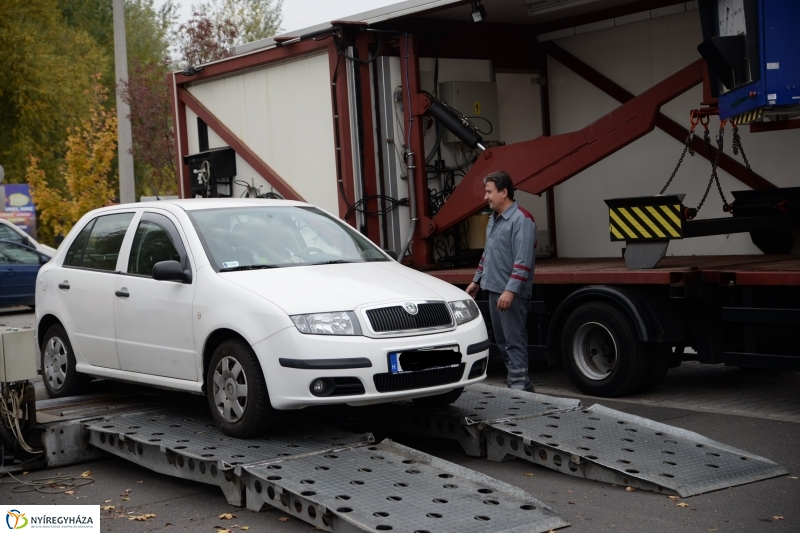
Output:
[[607, 445]]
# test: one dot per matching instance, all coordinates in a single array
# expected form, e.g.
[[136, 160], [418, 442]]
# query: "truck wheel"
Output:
[[237, 391], [439, 400], [659, 360], [601, 351], [58, 365]]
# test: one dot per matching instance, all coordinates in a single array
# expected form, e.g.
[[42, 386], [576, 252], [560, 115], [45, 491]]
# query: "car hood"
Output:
[[325, 288]]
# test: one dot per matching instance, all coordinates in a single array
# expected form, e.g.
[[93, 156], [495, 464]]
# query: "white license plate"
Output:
[[395, 367]]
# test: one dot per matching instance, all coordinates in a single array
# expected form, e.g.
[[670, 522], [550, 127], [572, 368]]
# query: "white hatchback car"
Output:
[[259, 304]]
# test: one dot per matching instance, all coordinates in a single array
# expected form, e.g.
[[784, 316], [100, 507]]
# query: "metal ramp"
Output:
[[607, 445], [387, 487], [596, 443], [334, 480]]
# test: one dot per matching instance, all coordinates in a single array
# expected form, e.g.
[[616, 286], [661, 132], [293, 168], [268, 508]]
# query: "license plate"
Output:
[[421, 359]]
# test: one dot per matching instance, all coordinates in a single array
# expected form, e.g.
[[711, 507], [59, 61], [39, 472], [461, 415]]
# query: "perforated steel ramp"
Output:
[[186, 443], [389, 487], [607, 445], [465, 419]]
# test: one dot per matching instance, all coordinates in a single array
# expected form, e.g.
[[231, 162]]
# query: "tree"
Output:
[[87, 173], [203, 39], [253, 19], [147, 93], [46, 68]]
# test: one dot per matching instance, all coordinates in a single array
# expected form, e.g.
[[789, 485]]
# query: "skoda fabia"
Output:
[[261, 305]]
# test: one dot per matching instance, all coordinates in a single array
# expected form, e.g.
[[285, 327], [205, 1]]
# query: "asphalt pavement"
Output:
[[762, 424]]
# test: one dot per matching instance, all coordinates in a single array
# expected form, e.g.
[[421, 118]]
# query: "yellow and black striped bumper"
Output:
[[647, 218]]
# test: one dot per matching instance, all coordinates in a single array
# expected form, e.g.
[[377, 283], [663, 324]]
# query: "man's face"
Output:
[[493, 197]]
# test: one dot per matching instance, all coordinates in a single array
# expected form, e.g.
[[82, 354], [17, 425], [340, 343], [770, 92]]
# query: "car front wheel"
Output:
[[58, 365], [237, 391]]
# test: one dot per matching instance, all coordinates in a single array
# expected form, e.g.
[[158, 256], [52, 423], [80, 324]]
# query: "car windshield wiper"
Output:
[[333, 262], [247, 267]]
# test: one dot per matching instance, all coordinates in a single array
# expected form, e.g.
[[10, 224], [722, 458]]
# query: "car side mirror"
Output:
[[171, 271], [392, 254], [43, 259]]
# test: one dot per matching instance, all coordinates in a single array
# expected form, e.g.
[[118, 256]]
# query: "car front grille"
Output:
[[418, 380], [395, 318]]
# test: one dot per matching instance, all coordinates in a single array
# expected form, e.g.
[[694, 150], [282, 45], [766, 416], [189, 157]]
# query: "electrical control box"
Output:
[[477, 100], [17, 355], [212, 172]]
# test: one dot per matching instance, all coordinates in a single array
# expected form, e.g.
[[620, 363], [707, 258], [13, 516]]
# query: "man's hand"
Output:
[[504, 302], [472, 289]]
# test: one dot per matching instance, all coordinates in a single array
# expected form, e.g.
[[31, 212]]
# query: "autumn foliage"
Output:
[[89, 179]]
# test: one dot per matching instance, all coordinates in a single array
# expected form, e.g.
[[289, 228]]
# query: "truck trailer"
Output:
[[652, 140]]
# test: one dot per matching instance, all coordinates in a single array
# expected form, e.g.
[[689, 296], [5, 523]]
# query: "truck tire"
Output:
[[439, 400], [237, 391], [601, 351], [58, 365], [659, 361]]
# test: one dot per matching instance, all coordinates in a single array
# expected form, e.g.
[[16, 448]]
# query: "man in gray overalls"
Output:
[[506, 274]]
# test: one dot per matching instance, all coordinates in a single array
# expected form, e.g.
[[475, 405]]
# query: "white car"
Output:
[[13, 233], [259, 304]]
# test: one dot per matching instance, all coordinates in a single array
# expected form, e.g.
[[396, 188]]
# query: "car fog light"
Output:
[[318, 387]]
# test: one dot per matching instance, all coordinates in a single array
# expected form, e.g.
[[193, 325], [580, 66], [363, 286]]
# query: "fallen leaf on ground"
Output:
[[140, 482], [529, 474], [126, 499], [245, 528], [683, 504], [674, 497], [777, 518], [573, 503], [790, 477], [224, 531], [226, 516], [630, 489], [70, 492], [88, 473], [569, 490], [283, 519], [139, 518], [25, 474], [108, 508], [106, 501]]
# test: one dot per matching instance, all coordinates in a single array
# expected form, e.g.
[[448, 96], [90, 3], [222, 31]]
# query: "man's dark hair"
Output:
[[502, 181]]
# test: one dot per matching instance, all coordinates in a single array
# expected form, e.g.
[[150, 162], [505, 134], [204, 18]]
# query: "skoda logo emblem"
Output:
[[411, 308]]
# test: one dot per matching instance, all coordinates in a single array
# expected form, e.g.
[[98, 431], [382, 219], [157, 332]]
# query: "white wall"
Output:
[[637, 56], [284, 114]]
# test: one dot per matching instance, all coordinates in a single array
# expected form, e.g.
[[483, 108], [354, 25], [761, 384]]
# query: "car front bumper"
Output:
[[289, 386]]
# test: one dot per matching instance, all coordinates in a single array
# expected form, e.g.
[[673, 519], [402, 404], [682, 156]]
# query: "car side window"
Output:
[[14, 254], [8, 234], [156, 240], [104, 242], [75, 252]]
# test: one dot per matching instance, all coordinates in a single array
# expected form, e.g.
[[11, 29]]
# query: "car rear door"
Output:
[[153, 319], [85, 288], [18, 268]]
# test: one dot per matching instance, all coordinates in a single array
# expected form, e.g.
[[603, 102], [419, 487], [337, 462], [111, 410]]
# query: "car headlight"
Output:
[[464, 310], [339, 323]]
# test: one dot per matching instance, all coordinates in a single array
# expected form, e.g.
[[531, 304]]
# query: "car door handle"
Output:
[[64, 285], [122, 294]]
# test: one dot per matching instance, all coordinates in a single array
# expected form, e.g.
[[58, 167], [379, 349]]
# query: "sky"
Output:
[[299, 14]]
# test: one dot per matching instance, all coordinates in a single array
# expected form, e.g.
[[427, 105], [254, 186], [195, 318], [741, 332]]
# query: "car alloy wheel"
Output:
[[230, 389], [55, 363]]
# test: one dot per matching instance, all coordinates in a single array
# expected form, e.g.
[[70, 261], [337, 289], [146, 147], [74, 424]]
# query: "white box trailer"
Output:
[[593, 102]]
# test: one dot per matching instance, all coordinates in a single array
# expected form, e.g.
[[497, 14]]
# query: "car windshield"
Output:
[[248, 238]]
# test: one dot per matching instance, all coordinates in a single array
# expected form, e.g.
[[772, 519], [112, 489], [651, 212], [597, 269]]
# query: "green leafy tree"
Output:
[[251, 19], [88, 176], [46, 69]]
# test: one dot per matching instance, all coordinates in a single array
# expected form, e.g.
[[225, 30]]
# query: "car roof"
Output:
[[195, 204]]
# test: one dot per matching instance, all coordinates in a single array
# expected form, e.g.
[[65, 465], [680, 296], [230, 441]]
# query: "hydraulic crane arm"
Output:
[[544, 162]]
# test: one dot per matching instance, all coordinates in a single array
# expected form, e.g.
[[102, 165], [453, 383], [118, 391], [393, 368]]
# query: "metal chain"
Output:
[[686, 147], [737, 147], [694, 121], [714, 177]]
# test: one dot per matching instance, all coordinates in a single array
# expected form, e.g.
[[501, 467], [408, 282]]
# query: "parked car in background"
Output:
[[259, 304], [12, 232], [19, 265]]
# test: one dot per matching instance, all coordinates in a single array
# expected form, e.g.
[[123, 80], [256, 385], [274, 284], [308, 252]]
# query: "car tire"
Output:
[[602, 352], [58, 365], [439, 400], [237, 391]]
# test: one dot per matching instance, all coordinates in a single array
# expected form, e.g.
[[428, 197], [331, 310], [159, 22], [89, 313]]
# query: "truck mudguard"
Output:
[[652, 324]]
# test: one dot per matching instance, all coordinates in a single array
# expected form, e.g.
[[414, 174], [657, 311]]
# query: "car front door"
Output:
[[18, 268], [153, 319], [85, 288]]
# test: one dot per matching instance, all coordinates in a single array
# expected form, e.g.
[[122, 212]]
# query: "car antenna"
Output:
[[154, 188]]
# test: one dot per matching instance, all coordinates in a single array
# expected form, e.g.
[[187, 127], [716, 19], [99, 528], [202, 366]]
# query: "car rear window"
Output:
[[98, 244]]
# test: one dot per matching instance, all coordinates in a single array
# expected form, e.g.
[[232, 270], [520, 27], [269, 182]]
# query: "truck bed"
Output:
[[763, 270]]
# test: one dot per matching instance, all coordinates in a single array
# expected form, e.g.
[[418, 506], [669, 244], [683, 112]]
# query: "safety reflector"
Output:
[[646, 218]]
